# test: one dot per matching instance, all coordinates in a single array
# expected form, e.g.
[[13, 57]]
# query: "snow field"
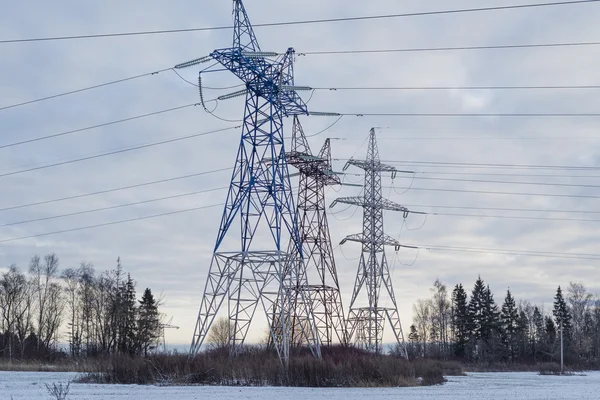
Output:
[[497, 386]]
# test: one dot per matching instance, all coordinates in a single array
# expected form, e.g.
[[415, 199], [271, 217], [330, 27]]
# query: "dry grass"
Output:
[[339, 367]]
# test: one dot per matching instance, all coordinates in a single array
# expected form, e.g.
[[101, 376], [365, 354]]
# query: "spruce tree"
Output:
[[148, 323], [550, 329], [509, 323], [460, 319], [491, 315], [523, 335], [540, 332], [561, 315], [476, 310]]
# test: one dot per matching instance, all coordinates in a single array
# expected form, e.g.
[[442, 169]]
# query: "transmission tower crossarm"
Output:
[[384, 204], [392, 206], [357, 237], [385, 240], [355, 201]]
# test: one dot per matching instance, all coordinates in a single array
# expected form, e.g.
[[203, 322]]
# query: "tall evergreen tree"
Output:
[[127, 325], [539, 333], [561, 315], [509, 322], [550, 328], [476, 310], [523, 335], [491, 328], [148, 324], [460, 320]]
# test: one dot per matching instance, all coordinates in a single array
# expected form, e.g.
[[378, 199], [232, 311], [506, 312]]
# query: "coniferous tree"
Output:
[[491, 329], [148, 324], [550, 336], [539, 334], [509, 323], [127, 334], [460, 320], [476, 310], [562, 316], [523, 335]]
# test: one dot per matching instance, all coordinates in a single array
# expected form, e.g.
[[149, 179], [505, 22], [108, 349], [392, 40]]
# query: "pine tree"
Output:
[[127, 319], [460, 320], [550, 329], [148, 323], [561, 315], [523, 335], [540, 333], [509, 322], [415, 342], [476, 310], [491, 329]]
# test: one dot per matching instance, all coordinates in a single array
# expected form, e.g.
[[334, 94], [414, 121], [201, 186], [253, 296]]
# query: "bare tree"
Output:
[[71, 283], [13, 293], [422, 322], [440, 315], [43, 274], [579, 301], [218, 336]]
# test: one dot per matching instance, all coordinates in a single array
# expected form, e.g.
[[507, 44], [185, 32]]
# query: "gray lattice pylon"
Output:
[[365, 322], [323, 287]]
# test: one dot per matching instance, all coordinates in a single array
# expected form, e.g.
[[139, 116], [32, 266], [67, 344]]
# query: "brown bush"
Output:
[[339, 367]]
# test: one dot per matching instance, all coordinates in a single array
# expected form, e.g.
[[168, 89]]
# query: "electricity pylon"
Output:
[[260, 199], [323, 289], [366, 321]]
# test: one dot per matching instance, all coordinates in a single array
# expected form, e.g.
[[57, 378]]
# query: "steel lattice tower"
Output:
[[323, 289], [366, 321], [260, 199]]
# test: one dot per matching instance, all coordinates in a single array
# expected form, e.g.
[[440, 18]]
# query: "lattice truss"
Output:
[[260, 201], [323, 289], [367, 315]]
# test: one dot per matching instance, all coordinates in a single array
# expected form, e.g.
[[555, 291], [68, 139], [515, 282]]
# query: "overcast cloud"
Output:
[[171, 254]]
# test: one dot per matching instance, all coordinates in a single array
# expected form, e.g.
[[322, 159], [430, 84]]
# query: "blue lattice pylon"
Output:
[[260, 199]]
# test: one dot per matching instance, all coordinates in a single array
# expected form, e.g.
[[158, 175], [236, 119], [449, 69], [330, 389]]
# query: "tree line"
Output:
[[95, 313], [475, 328]]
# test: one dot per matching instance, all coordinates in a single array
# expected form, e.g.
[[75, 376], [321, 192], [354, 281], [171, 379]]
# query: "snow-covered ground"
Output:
[[497, 386]]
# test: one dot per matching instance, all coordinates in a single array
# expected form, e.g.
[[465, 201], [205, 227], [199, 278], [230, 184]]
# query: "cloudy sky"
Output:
[[171, 254]]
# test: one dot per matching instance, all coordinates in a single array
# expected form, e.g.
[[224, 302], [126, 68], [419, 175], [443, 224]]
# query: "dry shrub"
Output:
[[552, 368], [253, 366]]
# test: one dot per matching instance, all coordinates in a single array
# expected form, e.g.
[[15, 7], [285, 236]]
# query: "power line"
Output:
[[505, 209], [525, 217], [428, 247], [334, 89], [114, 190], [84, 89], [449, 48], [507, 174], [124, 150], [447, 164], [109, 223], [305, 22], [469, 115], [96, 126], [529, 253], [557, 87], [112, 207], [581, 196], [502, 182], [441, 138]]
